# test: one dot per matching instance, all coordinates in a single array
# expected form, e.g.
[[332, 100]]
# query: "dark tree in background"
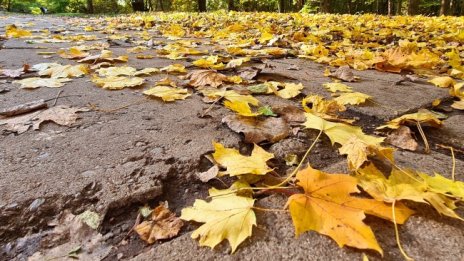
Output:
[[138, 5], [90, 7], [231, 5], [202, 5]]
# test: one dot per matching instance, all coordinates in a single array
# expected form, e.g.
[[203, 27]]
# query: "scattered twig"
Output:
[[56, 98], [24, 108], [426, 143]]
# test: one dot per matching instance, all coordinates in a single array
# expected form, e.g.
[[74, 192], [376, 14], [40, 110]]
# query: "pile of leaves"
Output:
[[229, 73]]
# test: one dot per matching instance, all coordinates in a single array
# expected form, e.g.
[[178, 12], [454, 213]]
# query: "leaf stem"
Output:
[[426, 143], [270, 209], [397, 234], [301, 162]]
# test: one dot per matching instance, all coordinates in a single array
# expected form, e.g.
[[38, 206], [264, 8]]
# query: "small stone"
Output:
[[36, 204]]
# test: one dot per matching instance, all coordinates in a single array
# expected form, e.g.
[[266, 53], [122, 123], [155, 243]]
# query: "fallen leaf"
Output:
[[290, 90], [65, 71], [339, 133], [423, 116], [402, 138], [174, 68], [328, 207], [337, 87], [458, 105], [353, 98], [292, 114], [90, 218], [118, 82], [319, 106], [16, 73], [72, 53], [116, 71], [167, 93], [258, 130], [226, 216], [443, 82], [12, 30], [404, 184], [209, 174], [237, 164], [203, 78], [444, 186], [211, 62], [36, 82], [234, 63], [344, 73], [163, 224], [70, 232], [104, 56]]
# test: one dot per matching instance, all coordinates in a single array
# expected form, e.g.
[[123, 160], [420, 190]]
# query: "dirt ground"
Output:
[[128, 150]]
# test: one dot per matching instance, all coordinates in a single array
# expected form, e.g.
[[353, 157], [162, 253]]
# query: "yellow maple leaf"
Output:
[[241, 108], [458, 105], [72, 53], [117, 82], [423, 116], [403, 185], [168, 93], [226, 216], [337, 87], [321, 107], [290, 90], [442, 185], [458, 90], [65, 71], [16, 32], [36, 82], [339, 133], [116, 71], [443, 82], [353, 98], [174, 68], [357, 152], [328, 208], [234, 63], [211, 62], [237, 164]]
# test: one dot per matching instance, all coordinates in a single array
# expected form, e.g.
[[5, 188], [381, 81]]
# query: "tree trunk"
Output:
[[390, 7], [444, 7], [90, 6], [325, 6], [202, 5], [281, 6], [231, 5], [349, 5], [413, 7], [399, 6]]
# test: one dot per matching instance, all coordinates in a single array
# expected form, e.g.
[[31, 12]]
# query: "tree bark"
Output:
[[390, 7], [202, 5], [281, 6], [231, 5], [444, 7], [90, 6], [325, 6], [413, 7], [399, 5]]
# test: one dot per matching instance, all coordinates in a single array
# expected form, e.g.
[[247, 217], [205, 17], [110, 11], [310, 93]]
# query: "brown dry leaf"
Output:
[[257, 130], [70, 232], [62, 115], [203, 78], [402, 138], [344, 73], [16, 73], [292, 114], [163, 225]]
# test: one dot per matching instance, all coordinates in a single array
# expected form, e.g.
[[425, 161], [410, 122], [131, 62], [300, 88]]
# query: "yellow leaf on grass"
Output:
[[168, 93], [339, 132], [328, 207], [337, 87], [36, 82], [423, 116], [117, 82], [353, 98], [443, 82], [403, 185], [237, 164], [226, 216], [290, 90]]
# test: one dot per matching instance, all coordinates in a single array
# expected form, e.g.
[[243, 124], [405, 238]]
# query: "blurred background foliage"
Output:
[[388, 7]]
